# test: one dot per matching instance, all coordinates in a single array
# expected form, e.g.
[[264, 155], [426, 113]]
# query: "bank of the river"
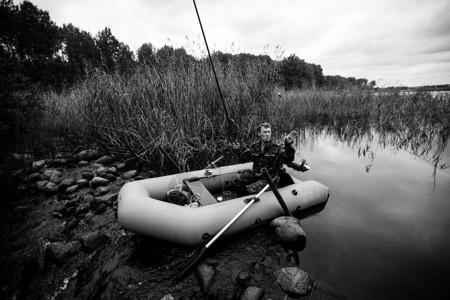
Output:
[[61, 240]]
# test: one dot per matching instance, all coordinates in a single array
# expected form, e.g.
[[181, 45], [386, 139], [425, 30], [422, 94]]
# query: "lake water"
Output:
[[385, 231]]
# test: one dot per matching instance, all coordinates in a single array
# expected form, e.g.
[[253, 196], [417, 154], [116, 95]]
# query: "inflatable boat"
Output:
[[209, 199]]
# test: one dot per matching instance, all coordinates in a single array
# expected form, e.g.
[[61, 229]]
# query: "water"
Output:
[[384, 233]]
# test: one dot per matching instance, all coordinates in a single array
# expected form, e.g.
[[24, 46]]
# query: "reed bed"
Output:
[[177, 111]]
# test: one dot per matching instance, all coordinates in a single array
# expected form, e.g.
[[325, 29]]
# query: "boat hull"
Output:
[[141, 208]]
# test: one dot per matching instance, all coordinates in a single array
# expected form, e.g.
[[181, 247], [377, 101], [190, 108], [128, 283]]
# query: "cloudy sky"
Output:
[[401, 42]]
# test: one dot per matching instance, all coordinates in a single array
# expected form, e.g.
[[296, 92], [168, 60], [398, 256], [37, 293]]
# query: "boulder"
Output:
[[82, 183], [288, 229], [99, 181], [47, 186], [94, 240], [293, 281], [87, 175], [66, 183], [129, 174], [105, 160], [87, 155], [37, 165], [59, 252], [252, 293], [205, 275]]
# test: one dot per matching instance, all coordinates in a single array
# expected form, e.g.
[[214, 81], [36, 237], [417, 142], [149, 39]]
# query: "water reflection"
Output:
[[428, 144], [383, 234]]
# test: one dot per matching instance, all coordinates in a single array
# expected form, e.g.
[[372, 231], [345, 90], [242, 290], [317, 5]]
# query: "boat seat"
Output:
[[198, 188]]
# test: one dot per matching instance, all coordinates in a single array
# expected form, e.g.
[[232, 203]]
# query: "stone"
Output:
[[55, 176], [87, 175], [72, 189], [83, 163], [82, 183], [102, 190], [59, 252], [32, 178], [129, 174], [99, 181], [288, 229], [47, 186], [66, 183], [57, 162], [87, 155], [94, 240], [252, 293], [105, 160], [205, 274], [293, 281], [37, 165], [82, 209], [108, 176], [70, 225], [112, 170]]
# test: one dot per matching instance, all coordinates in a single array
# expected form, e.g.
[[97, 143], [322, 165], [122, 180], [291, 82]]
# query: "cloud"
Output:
[[405, 41]]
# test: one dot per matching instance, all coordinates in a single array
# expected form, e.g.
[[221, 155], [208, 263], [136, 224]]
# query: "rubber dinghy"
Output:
[[144, 206]]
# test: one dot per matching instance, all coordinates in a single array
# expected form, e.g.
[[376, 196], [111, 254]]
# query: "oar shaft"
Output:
[[236, 217], [276, 192]]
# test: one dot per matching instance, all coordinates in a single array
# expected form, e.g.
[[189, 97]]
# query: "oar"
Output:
[[276, 192], [193, 261]]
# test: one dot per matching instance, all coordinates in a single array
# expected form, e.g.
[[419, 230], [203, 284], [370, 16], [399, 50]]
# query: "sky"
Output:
[[394, 42]]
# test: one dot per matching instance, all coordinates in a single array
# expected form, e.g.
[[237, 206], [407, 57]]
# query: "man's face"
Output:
[[265, 133]]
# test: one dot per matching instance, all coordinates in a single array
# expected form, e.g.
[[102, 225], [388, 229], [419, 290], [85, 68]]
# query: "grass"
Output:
[[178, 110]]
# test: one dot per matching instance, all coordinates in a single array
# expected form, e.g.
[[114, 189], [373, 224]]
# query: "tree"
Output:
[[114, 55], [146, 54], [79, 51]]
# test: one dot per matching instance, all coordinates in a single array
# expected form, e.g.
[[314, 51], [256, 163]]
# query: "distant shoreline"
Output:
[[426, 88]]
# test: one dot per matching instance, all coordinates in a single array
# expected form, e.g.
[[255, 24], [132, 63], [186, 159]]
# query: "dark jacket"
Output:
[[272, 157]]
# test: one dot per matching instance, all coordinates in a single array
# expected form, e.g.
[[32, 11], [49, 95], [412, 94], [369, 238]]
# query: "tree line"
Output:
[[35, 50]]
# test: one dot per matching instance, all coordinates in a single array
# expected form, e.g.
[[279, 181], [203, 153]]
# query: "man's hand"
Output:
[[291, 137]]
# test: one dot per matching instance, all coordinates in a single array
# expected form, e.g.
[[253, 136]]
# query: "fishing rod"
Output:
[[230, 121]]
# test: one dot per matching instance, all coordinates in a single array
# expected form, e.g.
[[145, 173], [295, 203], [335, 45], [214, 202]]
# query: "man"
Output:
[[265, 154]]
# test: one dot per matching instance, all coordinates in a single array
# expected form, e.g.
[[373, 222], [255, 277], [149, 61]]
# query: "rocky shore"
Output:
[[61, 240]]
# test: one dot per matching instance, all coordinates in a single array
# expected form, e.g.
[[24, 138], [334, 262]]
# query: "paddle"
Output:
[[276, 192], [195, 259]]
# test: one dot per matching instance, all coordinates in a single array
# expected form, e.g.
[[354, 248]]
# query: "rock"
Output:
[[54, 176], [243, 278], [94, 240], [66, 183], [37, 165], [82, 209], [87, 155], [108, 176], [87, 175], [61, 206], [33, 178], [70, 225], [72, 189], [99, 181], [60, 252], [288, 229], [102, 190], [83, 163], [47, 186], [59, 162], [100, 170], [82, 183], [129, 174], [205, 275], [252, 293], [112, 170], [168, 297], [293, 281], [57, 215], [105, 160]]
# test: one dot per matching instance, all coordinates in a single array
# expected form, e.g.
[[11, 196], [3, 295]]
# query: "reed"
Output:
[[178, 109]]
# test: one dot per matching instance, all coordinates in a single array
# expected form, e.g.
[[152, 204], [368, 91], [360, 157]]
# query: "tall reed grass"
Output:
[[178, 110]]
